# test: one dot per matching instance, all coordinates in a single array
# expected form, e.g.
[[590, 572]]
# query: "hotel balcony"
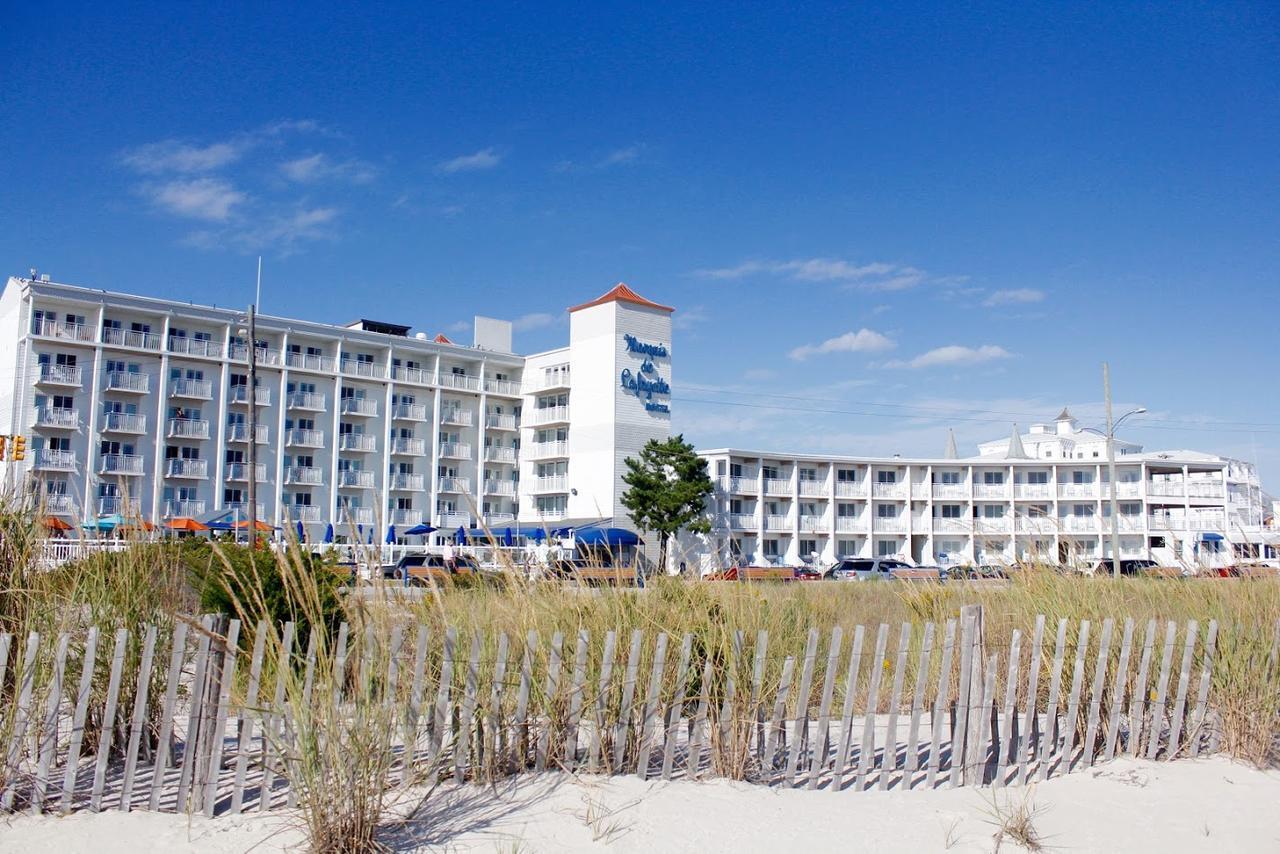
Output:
[[549, 415], [507, 388], [455, 450], [813, 488], [500, 422], [1080, 524], [122, 464], [309, 362], [359, 406], [124, 422], [777, 522], [885, 525], [262, 355], [348, 515], [418, 376], [58, 418], [188, 508], [956, 491], [548, 450], [191, 389], [240, 433], [240, 471], [62, 331], [239, 394], [810, 524], [48, 460], [404, 516], [1204, 490], [742, 521], [455, 484], [1078, 490], [357, 442], [130, 338], [239, 511], [355, 479], [309, 401], [301, 513], [59, 504], [188, 428], [408, 446], [851, 489], [554, 483], [896, 491], [851, 524], [547, 382], [409, 411], [68, 375], [459, 417], [499, 487], [454, 520], [777, 486], [997, 491], [193, 469], [195, 347], [943, 525], [1032, 491], [1126, 489], [1035, 525], [112, 505], [408, 482], [299, 438], [128, 381], [1166, 523], [494, 454], [493, 519], [992, 525], [303, 476], [358, 368], [460, 381]]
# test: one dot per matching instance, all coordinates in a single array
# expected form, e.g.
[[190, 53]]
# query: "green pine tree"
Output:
[[667, 490]]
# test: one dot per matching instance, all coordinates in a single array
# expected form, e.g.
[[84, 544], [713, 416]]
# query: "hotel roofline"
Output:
[[1160, 457]]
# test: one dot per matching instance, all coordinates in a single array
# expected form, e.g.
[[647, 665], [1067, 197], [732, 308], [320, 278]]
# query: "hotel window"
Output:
[[846, 475], [808, 548], [1130, 509], [458, 371], [232, 496], [735, 469], [188, 374], [771, 473], [886, 477], [809, 508], [847, 511], [735, 506], [108, 448], [951, 511], [993, 478], [993, 511], [1038, 478], [1082, 477], [949, 478], [886, 548], [770, 548], [1082, 510], [887, 511], [59, 443], [114, 366], [809, 474]]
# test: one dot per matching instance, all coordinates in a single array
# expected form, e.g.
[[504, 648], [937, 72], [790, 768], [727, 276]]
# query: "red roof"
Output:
[[622, 293], [440, 339]]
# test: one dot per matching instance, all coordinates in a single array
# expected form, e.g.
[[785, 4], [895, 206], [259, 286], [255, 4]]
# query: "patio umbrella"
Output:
[[359, 533], [104, 523], [391, 535], [508, 539], [53, 523], [461, 535], [419, 530], [184, 523], [258, 525], [538, 534], [302, 532], [328, 533], [370, 542]]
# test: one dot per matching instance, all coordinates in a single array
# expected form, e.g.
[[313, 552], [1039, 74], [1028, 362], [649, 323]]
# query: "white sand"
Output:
[[1203, 805]]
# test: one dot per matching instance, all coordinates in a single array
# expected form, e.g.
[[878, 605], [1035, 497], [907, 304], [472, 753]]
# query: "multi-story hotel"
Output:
[[140, 407]]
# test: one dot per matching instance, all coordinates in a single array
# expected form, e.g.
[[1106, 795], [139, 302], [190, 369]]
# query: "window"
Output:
[[735, 469], [993, 511], [993, 478], [1082, 510], [886, 477], [949, 478], [846, 475], [886, 548], [847, 511], [808, 549], [951, 511], [771, 473], [886, 511], [1038, 478], [770, 548], [1081, 477], [809, 475]]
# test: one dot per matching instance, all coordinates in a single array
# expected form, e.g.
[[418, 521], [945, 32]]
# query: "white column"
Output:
[[162, 394]]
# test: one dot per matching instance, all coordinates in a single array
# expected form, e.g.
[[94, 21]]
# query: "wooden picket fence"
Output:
[[202, 735]]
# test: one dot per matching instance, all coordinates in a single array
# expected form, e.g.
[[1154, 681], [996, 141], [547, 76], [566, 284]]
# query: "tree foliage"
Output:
[[667, 489]]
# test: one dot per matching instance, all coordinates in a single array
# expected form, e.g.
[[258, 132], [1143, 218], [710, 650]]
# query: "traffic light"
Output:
[[4, 441], [19, 447]]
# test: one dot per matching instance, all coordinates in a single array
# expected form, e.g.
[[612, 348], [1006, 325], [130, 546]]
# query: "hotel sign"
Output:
[[646, 382]]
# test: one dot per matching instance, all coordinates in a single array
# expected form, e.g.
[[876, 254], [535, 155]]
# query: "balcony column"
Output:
[[157, 475], [92, 432], [387, 427], [26, 361], [334, 438], [221, 429], [434, 478], [793, 550], [278, 481], [481, 432], [758, 557], [907, 529]]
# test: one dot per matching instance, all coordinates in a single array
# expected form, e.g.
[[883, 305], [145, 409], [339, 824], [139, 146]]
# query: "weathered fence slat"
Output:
[[1048, 736], [917, 708], [440, 715], [846, 713], [340, 666], [1007, 721], [802, 707], [413, 713], [139, 717], [889, 756], [1206, 674], [984, 734], [1095, 699], [1162, 690], [520, 742], [651, 707], [937, 715], [1034, 666], [462, 738], [697, 736], [49, 728], [1138, 699], [575, 701], [757, 701], [308, 681], [220, 721], [187, 776], [602, 699], [549, 697], [777, 722], [728, 732], [1118, 685], [492, 747], [78, 716], [271, 727], [1073, 702], [623, 727], [867, 749], [177, 655], [822, 737], [108, 725], [672, 729], [27, 679], [1184, 683], [960, 729], [245, 721]]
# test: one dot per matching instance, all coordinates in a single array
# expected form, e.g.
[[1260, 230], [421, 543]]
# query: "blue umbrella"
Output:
[[328, 533], [370, 542], [507, 539], [359, 533], [461, 535], [391, 535], [538, 535], [302, 533], [419, 530]]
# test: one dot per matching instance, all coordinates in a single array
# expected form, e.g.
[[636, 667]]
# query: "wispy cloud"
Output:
[[688, 318], [533, 320], [211, 199], [173, 156], [1015, 296], [862, 341], [873, 276], [485, 158], [616, 157], [953, 354], [320, 167]]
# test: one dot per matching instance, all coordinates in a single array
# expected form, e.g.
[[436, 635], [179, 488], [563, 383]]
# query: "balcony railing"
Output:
[[888, 525], [992, 525], [57, 416], [418, 376], [500, 422], [812, 523], [455, 484], [813, 488], [359, 406], [358, 368], [889, 490], [550, 415], [262, 355], [303, 438], [309, 362], [55, 460], [948, 525], [461, 417], [1078, 490], [113, 505], [240, 471], [461, 381], [1204, 490], [409, 411], [1126, 489], [547, 382], [355, 478], [408, 446], [58, 329], [494, 454], [130, 338], [1076, 524], [240, 433], [357, 442], [777, 486], [188, 508], [1032, 490], [545, 450], [454, 520], [499, 487], [404, 516], [304, 476], [128, 381], [775, 522], [553, 483], [991, 490], [59, 375], [851, 489], [193, 389], [123, 422], [850, 524], [742, 521], [195, 346], [130, 464], [348, 515], [239, 511], [57, 503], [240, 394], [194, 469], [503, 387], [455, 450], [408, 481], [188, 428], [308, 400], [301, 513], [493, 519]]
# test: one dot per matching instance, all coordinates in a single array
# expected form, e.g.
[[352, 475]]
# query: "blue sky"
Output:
[[877, 222]]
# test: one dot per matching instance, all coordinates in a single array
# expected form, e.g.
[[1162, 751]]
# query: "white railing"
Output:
[[188, 508], [492, 519], [58, 460], [1175, 489], [542, 450], [409, 411], [889, 490], [454, 520], [504, 387], [239, 511], [459, 450], [742, 521], [240, 433], [495, 454], [301, 513], [57, 503], [304, 475], [776, 522], [195, 389], [943, 525], [408, 445], [550, 414], [262, 355], [240, 394], [309, 400], [500, 422], [358, 368], [59, 329], [885, 525], [1035, 524], [554, 483], [195, 346], [461, 381], [309, 362], [128, 381], [188, 428], [404, 516], [60, 375], [198, 469], [355, 478], [851, 524], [303, 438], [1077, 524], [992, 525], [349, 515], [124, 422], [111, 505], [1204, 490], [1032, 490], [499, 487], [455, 484], [240, 471], [811, 523], [777, 486], [453, 415], [950, 490], [991, 490], [408, 481], [850, 489], [1126, 489], [411, 375], [130, 338], [357, 442], [557, 379], [1078, 490], [57, 416], [359, 406], [814, 488], [121, 464]]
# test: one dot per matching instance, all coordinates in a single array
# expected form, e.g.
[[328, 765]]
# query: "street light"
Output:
[[1110, 435]]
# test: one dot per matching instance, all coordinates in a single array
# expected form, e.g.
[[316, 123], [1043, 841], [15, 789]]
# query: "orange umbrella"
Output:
[[258, 525], [184, 523], [53, 523], [142, 524]]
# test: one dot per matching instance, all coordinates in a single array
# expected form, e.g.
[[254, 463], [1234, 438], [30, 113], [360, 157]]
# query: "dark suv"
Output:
[[1127, 567], [418, 567]]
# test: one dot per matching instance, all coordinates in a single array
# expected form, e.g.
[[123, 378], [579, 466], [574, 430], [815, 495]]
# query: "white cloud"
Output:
[[210, 199], [690, 317], [174, 156], [872, 276], [621, 155], [319, 167], [862, 341], [953, 354], [1015, 296], [534, 320], [486, 158]]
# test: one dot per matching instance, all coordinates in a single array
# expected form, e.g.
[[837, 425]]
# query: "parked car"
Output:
[[1127, 567], [808, 573], [866, 569], [420, 567]]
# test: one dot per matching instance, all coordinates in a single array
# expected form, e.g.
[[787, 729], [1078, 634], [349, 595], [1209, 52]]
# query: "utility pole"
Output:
[[1111, 473], [253, 426]]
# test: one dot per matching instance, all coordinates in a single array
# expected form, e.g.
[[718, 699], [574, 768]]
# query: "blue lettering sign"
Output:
[[635, 345], [646, 382]]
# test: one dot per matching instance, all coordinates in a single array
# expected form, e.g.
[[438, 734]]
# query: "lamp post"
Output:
[[1111, 466]]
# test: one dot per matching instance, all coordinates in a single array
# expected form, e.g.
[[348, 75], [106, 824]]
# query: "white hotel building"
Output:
[[140, 407]]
